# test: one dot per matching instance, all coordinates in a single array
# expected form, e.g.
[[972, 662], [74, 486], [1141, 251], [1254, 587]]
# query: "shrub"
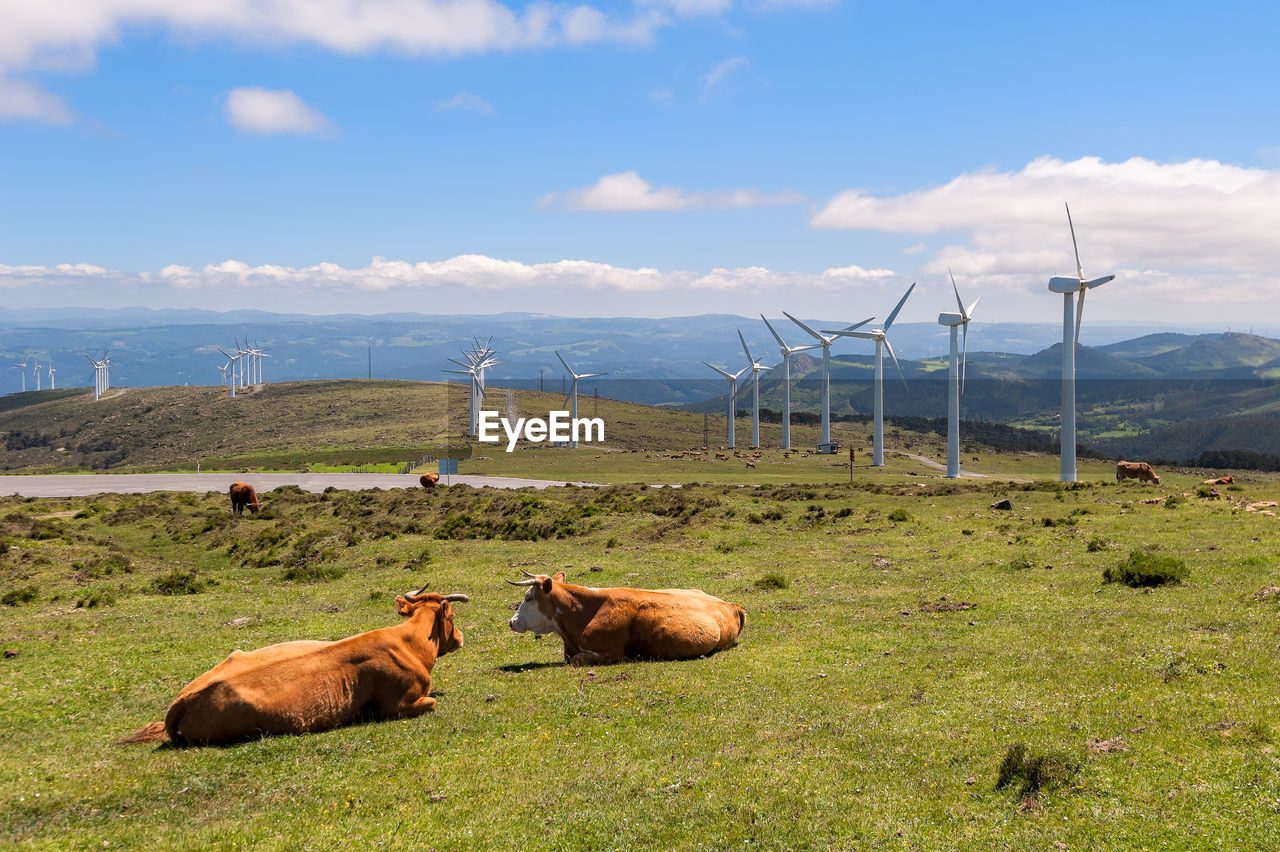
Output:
[[770, 582], [1173, 501], [96, 598], [1146, 569], [612, 542], [309, 572], [179, 582], [1034, 771], [1020, 563], [1096, 544], [899, 515], [19, 596]]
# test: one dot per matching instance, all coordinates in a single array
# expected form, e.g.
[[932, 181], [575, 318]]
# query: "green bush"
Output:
[[899, 515], [179, 582], [95, 598], [19, 596], [1034, 771], [1146, 569], [1173, 501], [1096, 544], [310, 572], [770, 582], [1020, 563]]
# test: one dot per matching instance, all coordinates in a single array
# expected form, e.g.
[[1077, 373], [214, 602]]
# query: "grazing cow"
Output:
[[1135, 470], [607, 625], [751, 464], [722, 456], [242, 494], [306, 686], [1221, 480], [429, 480]]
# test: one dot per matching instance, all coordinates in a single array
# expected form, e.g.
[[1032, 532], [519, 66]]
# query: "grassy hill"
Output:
[[918, 670]]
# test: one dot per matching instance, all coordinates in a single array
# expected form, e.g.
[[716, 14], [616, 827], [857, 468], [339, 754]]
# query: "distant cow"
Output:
[[242, 494], [751, 464], [722, 456], [607, 625], [1221, 480], [306, 686], [1136, 470], [429, 480]]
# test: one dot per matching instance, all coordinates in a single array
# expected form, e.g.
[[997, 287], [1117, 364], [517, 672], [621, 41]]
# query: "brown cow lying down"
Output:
[[606, 625], [242, 494], [1221, 480], [429, 480], [1135, 470], [305, 686]]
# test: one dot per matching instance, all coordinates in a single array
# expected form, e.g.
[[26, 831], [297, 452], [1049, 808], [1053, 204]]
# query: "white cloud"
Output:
[[718, 74], [628, 192], [1199, 220], [271, 111], [468, 102], [19, 99], [472, 272]]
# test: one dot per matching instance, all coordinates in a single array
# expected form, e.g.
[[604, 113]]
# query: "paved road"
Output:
[[82, 485]]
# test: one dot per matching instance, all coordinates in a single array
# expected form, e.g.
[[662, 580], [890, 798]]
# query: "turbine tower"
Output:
[[880, 336], [733, 396], [955, 377], [232, 362], [825, 342], [1071, 314], [21, 367], [756, 369], [573, 392], [36, 370], [478, 359], [786, 351], [52, 386]]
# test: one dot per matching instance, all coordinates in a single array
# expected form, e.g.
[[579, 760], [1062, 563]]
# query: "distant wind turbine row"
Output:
[[244, 365]]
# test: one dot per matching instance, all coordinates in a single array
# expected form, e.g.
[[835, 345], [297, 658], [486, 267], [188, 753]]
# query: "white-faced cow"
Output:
[[1135, 470], [305, 686], [242, 494], [607, 625]]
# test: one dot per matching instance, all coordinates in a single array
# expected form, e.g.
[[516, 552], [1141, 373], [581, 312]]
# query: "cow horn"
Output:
[[529, 582], [457, 596], [526, 573], [412, 596]]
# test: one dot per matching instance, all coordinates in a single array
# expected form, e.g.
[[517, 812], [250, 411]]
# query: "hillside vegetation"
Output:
[[918, 670]]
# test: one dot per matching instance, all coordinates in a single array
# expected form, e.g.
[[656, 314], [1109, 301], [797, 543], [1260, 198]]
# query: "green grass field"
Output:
[[864, 706]]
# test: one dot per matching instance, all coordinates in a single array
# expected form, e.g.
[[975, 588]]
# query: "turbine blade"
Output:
[[969, 311], [1071, 225], [1079, 314], [718, 370], [901, 375], [781, 342], [565, 404], [591, 375], [956, 291], [812, 333], [858, 324], [744, 347], [1103, 280], [901, 302], [566, 363]]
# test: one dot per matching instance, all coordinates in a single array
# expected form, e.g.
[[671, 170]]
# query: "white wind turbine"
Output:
[[825, 342], [473, 406], [573, 391], [880, 336], [232, 361], [786, 352], [1068, 287], [756, 369], [36, 369], [733, 397], [21, 367], [955, 376], [52, 386]]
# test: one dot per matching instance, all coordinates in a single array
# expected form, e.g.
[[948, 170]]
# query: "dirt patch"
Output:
[[67, 514], [1267, 592], [1114, 744], [944, 605]]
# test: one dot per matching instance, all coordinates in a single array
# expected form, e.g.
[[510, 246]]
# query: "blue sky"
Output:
[[650, 158]]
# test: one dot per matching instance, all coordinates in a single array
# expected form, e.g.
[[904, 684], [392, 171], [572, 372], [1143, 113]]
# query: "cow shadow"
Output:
[[520, 668]]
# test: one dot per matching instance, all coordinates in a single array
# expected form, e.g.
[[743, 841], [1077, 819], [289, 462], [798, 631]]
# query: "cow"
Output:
[[1221, 480], [429, 480], [242, 494], [608, 625], [751, 464], [306, 686], [1136, 470], [722, 456]]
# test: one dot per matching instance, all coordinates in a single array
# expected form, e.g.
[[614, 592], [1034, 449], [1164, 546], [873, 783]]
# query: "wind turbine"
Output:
[[1068, 287], [479, 359], [786, 351], [52, 386], [232, 362], [36, 370], [733, 396], [955, 376], [21, 367], [573, 391], [756, 369], [825, 342], [880, 336]]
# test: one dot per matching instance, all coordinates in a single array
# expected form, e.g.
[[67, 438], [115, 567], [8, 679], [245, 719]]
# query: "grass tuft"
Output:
[[1034, 771], [1144, 569], [771, 582]]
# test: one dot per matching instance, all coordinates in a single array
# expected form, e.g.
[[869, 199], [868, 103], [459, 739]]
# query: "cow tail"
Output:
[[152, 733]]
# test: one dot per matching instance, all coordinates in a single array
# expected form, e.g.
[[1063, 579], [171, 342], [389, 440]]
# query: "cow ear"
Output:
[[403, 606], [559, 577], [546, 585]]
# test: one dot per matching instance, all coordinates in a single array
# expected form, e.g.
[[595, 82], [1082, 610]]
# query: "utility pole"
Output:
[[540, 388]]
